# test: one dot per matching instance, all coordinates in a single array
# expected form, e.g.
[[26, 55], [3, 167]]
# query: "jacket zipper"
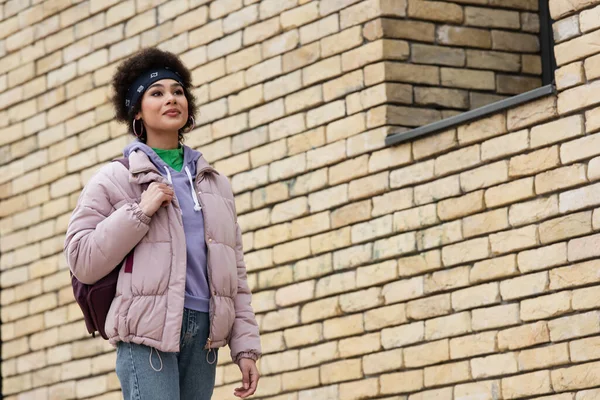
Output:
[[208, 270]]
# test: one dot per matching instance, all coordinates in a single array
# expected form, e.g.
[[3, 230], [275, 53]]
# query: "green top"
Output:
[[173, 157]]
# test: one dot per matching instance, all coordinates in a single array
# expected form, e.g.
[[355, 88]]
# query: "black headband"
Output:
[[139, 86]]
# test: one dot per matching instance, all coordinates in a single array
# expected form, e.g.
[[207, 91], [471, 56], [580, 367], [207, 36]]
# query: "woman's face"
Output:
[[164, 107]]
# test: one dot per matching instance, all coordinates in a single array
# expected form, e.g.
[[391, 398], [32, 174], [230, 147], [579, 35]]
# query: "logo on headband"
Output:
[[140, 89], [154, 74], [127, 102]]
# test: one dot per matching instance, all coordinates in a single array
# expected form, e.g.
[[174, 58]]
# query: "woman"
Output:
[[170, 219]]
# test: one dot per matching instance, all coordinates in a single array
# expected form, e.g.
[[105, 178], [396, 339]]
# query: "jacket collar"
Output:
[[202, 166], [143, 170]]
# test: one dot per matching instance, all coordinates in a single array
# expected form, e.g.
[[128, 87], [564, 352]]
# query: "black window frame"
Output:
[[546, 39]]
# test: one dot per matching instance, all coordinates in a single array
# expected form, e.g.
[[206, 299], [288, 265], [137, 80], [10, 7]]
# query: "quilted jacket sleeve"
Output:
[[98, 239], [245, 339]]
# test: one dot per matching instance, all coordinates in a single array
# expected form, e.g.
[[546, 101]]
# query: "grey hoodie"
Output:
[[197, 292]]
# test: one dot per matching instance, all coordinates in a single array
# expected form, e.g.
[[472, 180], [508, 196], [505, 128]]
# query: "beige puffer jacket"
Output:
[[148, 307]]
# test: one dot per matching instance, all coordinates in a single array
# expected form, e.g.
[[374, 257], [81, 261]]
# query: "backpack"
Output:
[[95, 300]]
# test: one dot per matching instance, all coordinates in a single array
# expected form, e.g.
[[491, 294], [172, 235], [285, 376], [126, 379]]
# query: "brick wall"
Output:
[[461, 265]]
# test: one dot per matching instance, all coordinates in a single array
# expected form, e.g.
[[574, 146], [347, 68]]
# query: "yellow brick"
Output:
[[494, 268], [437, 190], [468, 346], [550, 356], [575, 275], [523, 336], [341, 371], [570, 75], [320, 309], [534, 162], [575, 377], [436, 11], [299, 16], [400, 290], [495, 317], [301, 57], [494, 365], [385, 316], [267, 113], [375, 51], [404, 382], [445, 280], [300, 379], [565, 227], [264, 71], [531, 113], [369, 186], [448, 373], [482, 389], [486, 222], [443, 327], [344, 326], [240, 19], [533, 211], [326, 393], [309, 140], [470, 250], [584, 299], [475, 296], [316, 355], [294, 294], [281, 319], [573, 326], [485, 176], [429, 307], [354, 212], [427, 354], [246, 99], [516, 239], [361, 300], [336, 283], [317, 30], [584, 349], [280, 362], [545, 306], [526, 385], [524, 286], [586, 394], [359, 389], [510, 192], [308, 334]]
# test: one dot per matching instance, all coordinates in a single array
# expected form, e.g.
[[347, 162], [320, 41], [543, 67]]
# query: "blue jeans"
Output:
[[148, 374]]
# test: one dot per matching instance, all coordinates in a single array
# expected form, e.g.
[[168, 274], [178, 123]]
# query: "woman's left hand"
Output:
[[250, 377]]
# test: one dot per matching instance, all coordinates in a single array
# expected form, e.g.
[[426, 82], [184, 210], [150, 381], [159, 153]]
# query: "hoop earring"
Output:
[[190, 128], [135, 131]]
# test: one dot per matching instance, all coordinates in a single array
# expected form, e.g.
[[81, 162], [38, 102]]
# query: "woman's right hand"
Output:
[[157, 195]]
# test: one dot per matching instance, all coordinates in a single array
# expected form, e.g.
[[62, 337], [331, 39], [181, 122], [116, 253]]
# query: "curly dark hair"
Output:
[[130, 69]]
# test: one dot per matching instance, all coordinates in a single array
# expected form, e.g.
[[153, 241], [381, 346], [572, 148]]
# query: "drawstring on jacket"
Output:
[[150, 359], [214, 360], [194, 195]]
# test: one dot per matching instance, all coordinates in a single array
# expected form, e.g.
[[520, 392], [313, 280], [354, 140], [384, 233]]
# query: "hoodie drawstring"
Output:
[[194, 195], [169, 175], [171, 182], [150, 358]]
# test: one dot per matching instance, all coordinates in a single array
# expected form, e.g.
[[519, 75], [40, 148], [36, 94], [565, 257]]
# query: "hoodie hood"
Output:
[[190, 156]]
